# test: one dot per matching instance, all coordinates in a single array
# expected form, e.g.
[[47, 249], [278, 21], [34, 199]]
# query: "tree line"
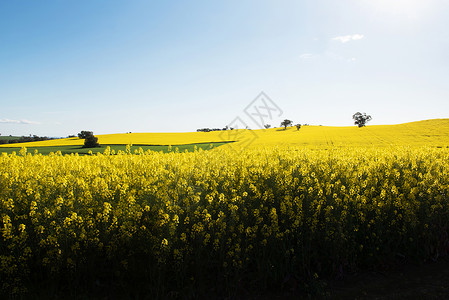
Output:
[[25, 139], [359, 119]]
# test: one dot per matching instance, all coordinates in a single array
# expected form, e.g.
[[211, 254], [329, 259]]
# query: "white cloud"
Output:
[[8, 121], [348, 38]]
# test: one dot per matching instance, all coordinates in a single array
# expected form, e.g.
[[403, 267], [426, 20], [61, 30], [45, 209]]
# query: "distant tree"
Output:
[[298, 126], [361, 119], [286, 123], [84, 134], [210, 129], [90, 141], [27, 139], [267, 126]]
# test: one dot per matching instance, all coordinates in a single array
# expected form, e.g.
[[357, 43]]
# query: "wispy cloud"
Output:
[[8, 121], [348, 38], [306, 56]]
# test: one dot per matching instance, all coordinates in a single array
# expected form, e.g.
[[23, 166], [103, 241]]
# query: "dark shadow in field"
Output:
[[409, 281]]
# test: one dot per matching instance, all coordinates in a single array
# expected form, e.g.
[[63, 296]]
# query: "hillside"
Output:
[[422, 133]]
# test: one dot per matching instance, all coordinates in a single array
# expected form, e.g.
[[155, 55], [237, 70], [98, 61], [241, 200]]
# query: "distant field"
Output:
[[433, 133], [165, 139], [116, 148], [422, 133]]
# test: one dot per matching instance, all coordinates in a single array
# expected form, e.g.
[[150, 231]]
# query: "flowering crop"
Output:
[[422, 133], [179, 220]]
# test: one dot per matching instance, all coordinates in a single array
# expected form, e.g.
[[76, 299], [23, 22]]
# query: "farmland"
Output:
[[277, 209], [422, 133]]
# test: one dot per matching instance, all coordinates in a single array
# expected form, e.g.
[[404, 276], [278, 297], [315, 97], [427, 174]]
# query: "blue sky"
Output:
[[160, 66]]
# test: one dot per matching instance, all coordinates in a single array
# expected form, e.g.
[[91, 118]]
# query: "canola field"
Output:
[[422, 133], [188, 225]]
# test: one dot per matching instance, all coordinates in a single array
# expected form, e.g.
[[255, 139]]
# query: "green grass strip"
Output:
[[133, 149]]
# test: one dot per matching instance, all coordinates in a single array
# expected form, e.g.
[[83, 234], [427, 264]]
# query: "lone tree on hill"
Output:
[[286, 123], [298, 126], [90, 141], [84, 134], [361, 119], [267, 126]]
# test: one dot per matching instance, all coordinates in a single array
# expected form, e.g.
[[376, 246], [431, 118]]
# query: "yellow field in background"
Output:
[[170, 138], [422, 133], [429, 132]]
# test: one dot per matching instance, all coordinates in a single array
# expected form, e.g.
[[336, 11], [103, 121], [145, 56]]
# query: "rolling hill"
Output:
[[433, 132]]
